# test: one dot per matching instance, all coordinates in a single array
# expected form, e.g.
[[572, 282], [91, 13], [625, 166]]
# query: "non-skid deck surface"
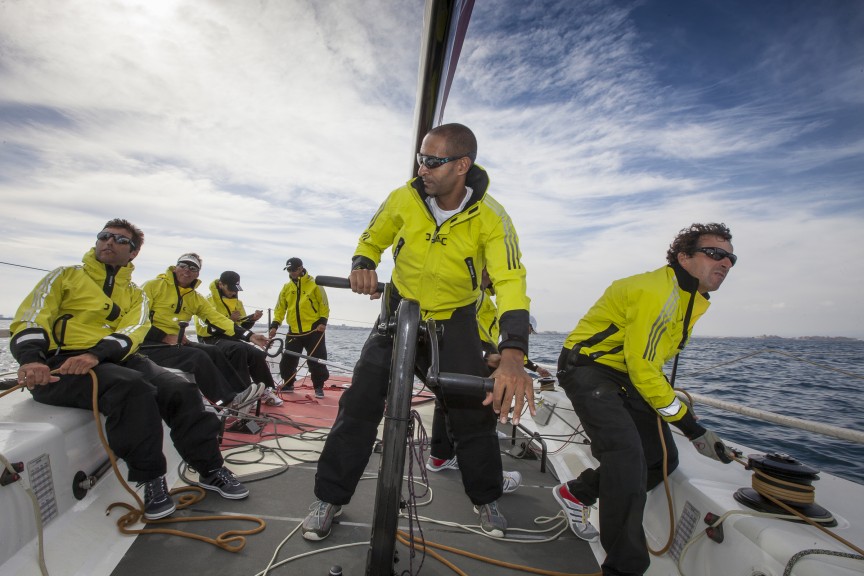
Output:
[[300, 412], [282, 501]]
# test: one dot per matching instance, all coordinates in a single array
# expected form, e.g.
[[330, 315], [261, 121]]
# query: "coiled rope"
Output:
[[231, 540]]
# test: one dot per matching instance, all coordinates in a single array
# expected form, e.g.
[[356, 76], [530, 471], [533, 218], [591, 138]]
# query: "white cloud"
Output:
[[252, 132]]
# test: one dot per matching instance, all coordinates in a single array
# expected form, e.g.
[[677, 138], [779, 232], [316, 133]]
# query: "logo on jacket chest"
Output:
[[433, 239]]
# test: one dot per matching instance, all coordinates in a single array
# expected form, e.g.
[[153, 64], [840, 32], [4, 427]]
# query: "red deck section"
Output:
[[300, 412]]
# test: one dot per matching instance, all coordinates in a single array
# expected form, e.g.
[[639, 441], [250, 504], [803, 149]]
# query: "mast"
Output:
[[445, 23]]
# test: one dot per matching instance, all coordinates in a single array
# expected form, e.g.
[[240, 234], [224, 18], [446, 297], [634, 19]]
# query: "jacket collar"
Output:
[[97, 270], [477, 179], [687, 281]]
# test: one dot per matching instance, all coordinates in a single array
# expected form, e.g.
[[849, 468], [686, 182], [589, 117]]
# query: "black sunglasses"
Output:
[[432, 162], [187, 266], [718, 254], [118, 238]]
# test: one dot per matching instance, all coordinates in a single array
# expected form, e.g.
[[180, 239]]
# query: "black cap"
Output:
[[231, 281], [293, 264]]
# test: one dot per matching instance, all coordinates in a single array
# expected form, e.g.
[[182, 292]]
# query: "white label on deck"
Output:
[[42, 483], [684, 529]]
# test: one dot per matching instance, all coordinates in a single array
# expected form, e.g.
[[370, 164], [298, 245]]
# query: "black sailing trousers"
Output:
[[625, 440], [361, 408], [214, 374], [135, 396], [315, 344]]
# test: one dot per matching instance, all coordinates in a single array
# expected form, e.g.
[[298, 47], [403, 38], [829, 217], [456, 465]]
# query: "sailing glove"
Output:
[[710, 445]]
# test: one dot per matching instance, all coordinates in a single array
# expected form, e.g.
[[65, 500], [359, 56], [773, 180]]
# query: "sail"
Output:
[[445, 23]]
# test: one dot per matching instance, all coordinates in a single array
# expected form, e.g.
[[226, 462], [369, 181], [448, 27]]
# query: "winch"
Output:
[[780, 476]]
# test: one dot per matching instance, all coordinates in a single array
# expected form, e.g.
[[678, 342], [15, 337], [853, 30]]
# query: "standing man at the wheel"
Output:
[[443, 227], [303, 304]]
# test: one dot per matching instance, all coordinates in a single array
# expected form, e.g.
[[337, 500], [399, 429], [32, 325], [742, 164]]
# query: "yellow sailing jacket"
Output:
[[636, 327], [107, 313], [223, 305], [169, 304], [303, 304], [440, 267], [487, 318]]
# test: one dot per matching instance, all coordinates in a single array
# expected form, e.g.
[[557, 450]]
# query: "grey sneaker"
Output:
[[512, 481], [317, 524], [319, 392], [492, 522], [225, 483], [437, 464], [247, 396], [157, 500], [577, 513]]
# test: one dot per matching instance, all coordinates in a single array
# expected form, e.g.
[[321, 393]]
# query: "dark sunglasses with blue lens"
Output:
[[118, 238], [432, 162], [718, 254]]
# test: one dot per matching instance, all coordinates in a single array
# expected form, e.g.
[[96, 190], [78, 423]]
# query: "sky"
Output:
[[255, 131]]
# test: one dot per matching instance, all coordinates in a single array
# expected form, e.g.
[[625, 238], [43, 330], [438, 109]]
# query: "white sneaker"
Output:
[[271, 398], [577, 513], [437, 464], [512, 481]]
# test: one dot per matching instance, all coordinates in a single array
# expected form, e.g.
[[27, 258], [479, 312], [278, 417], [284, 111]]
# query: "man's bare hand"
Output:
[[170, 339], [236, 316], [257, 315], [272, 333], [260, 340], [511, 381], [80, 364], [365, 282], [35, 374]]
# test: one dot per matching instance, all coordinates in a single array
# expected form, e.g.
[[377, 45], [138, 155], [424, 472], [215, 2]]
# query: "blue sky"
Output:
[[251, 132]]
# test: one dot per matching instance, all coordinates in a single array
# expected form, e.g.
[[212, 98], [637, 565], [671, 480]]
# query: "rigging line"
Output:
[[794, 357], [23, 266]]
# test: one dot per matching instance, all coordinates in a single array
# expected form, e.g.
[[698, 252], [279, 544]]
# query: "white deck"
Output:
[[55, 443]]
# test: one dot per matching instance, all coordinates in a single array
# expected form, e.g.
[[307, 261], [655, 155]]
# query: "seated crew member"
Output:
[[173, 299], [92, 317], [611, 367], [249, 361], [304, 306]]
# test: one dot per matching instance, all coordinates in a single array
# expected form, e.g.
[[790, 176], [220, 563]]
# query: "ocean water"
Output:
[[814, 379]]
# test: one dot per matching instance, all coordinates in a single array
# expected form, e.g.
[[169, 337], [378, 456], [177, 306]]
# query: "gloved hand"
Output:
[[710, 445]]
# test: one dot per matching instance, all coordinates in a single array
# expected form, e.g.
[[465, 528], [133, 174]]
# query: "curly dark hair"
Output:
[[688, 239], [135, 232]]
